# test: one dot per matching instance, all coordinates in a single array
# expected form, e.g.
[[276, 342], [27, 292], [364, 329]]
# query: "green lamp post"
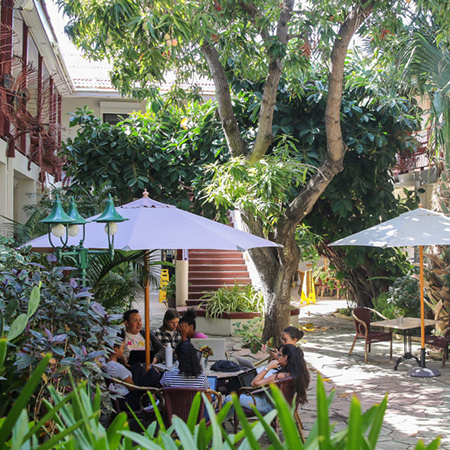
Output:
[[62, 225]]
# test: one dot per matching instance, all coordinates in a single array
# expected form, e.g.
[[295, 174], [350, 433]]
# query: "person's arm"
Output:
[[158, 348], [259, 380], [124, 375], [129, 380]]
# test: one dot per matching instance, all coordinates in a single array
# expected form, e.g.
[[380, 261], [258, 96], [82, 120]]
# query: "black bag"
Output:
[[224, 365]]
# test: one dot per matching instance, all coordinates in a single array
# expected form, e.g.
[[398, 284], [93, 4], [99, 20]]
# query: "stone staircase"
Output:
[[209, 270]]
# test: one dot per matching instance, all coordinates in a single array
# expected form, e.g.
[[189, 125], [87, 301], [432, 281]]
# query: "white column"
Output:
[[182, 280]]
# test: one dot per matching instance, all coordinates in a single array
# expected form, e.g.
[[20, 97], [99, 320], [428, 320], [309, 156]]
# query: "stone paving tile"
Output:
[[417, 407]]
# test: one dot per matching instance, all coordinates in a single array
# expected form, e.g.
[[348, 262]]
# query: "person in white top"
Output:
[[135, 340]]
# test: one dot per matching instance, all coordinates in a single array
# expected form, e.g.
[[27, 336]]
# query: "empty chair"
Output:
[[441, 342], [362, 319]]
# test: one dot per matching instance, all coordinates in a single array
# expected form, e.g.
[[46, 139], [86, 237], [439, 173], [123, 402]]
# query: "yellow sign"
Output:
[[308, 290], [164, 280]]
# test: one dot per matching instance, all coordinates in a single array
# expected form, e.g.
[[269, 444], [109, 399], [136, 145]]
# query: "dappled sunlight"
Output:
[[417, 407]]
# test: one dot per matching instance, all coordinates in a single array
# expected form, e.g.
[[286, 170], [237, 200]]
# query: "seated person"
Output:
[[187, 326], [290, 335], [288, 364], [137, 376], [189, 372], [135, 338], [168, 332]]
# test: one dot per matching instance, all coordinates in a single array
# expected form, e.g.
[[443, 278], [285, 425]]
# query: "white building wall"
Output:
[[99, 105], [18, 188]]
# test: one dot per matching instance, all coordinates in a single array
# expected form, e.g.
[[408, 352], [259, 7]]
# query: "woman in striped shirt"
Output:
[[189, 372]]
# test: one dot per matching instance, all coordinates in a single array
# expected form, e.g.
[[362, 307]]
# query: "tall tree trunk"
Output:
[[277, 268], [361, 283]]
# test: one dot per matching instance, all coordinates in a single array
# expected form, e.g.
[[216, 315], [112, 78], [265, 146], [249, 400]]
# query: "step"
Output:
[[220, 268], [216, 252], [194, 302], [197, 288], [213, 261], [218, 274], [219, 281], [216, 255], [198, 295]]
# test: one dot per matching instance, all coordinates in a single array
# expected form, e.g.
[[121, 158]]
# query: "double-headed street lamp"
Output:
[[62, 225]]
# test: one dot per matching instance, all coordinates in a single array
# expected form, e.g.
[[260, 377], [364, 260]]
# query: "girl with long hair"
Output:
[[289, 363], [189, 372]]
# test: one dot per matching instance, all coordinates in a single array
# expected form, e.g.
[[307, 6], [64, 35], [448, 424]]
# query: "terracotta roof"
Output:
[[93, 76]]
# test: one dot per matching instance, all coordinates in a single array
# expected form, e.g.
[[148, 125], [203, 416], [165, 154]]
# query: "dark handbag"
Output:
[[224, 365]]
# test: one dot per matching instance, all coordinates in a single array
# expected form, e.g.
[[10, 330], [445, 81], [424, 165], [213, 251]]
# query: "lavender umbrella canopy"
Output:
[[418, 228], [154, 225]]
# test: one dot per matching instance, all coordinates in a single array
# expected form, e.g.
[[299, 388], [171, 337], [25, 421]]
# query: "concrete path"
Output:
[[417, 407]]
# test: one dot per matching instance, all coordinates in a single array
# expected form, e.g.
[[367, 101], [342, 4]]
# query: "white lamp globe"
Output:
[[73, 230], [58, 230], [112, 229]]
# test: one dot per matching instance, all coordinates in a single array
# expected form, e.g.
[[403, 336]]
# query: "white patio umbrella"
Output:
[[155, 225], [420, 227]]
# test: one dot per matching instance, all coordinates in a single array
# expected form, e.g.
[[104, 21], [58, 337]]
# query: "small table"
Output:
[[208, 372], [406, 325]]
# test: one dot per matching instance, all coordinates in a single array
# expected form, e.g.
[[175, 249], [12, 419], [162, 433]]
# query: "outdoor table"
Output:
[[408, 324], [208, 372]]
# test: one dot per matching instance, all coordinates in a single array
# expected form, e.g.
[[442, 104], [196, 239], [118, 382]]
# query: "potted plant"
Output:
[[223, 308]]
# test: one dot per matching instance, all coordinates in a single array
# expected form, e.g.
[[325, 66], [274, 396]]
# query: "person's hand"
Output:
[[273, 364], [274, 354], [184, 329]]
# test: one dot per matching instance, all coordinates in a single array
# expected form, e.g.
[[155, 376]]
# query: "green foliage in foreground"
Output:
[[75, 419]]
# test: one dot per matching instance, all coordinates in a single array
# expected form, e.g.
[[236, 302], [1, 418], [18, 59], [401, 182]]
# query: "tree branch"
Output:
[[254, 12], [265, 137], [236, 144], [332, 164]]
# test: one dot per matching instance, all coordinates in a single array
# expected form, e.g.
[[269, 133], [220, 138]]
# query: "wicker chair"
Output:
[[441, 342], [362, 319], [287, 387], [178, 401]]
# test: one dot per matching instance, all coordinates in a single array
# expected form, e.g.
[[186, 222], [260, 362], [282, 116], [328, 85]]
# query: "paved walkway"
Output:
[[417, 407]]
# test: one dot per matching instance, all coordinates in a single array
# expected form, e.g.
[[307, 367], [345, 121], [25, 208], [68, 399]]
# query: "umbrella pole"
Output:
[[147, 312], [422, 371], [422, 313]]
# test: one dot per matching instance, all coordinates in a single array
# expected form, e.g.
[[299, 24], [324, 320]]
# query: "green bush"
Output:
[[236, 298], [404, 295], [62, 320], [383, 306], [251, 334]]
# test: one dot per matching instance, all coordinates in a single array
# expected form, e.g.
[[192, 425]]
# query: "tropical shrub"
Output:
[[250, 333], [65, 322], [383, 306], [236, 298], [404, 295]]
